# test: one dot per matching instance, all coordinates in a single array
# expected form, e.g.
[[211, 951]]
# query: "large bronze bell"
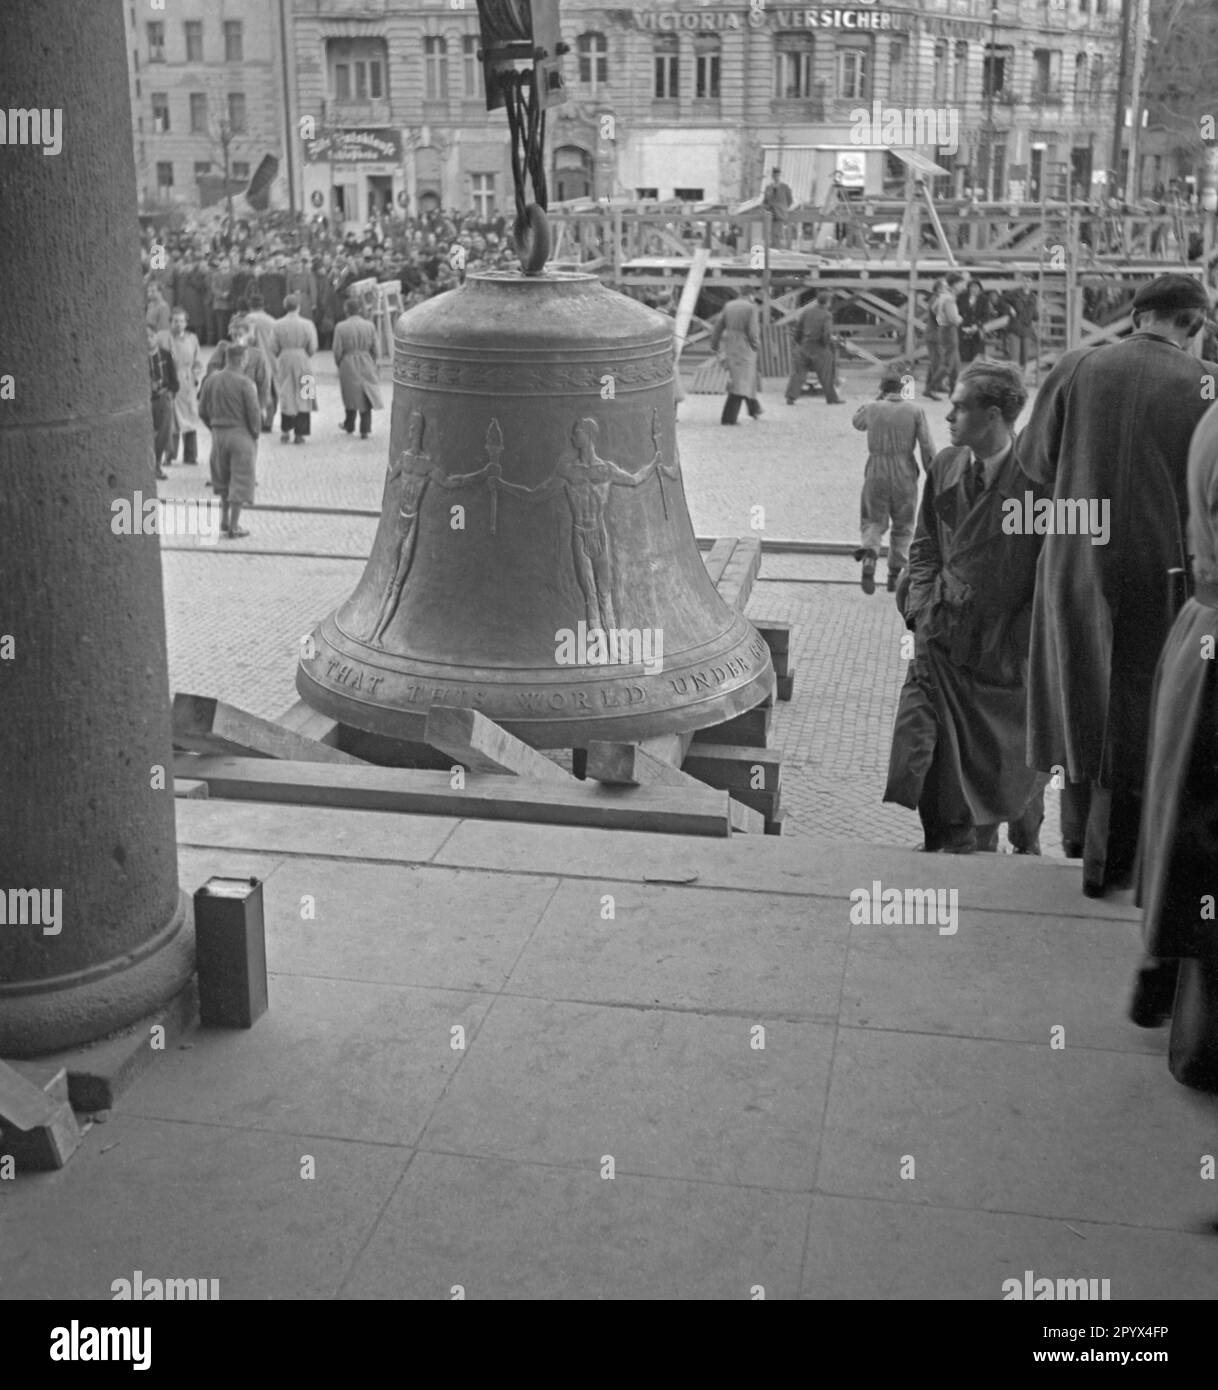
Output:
[[535, 559]]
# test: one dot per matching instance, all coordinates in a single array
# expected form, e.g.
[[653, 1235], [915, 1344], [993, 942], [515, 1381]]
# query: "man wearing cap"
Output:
[[777, 201], [1110, 429], [814, 350], [895, 426], [228, 405]]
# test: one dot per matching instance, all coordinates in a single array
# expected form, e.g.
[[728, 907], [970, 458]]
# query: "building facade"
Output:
[[206, 80]]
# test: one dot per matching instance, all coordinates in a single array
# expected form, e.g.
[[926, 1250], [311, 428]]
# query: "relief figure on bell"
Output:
[[584, 480], [415, 469]]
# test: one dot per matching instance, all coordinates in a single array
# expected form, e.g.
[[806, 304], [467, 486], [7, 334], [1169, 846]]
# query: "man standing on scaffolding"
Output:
[[778, 201]]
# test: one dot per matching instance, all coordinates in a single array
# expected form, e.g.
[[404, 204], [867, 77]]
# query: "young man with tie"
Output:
[[958, 747]]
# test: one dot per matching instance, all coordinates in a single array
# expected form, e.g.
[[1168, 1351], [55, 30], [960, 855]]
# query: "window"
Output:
[[342, 82], [356, 69], [202, 168], [854, 72], [1047, 82], [164, 175], [160, 113], [236, 112], [1097, 79], [706, 67], [896, 70], [234, 44], [593, 50], [156, 41], [994, 71], [484, 194], [474, 89], [939, 68], [667, 67], [643, 194], [688, 195], [198, 113], [793, 66], [240, 169], [1080, 79], [960, 74], [435, 53], [194, 40]]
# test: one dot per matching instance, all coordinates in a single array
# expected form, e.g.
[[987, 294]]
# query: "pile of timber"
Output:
[[716, 781]]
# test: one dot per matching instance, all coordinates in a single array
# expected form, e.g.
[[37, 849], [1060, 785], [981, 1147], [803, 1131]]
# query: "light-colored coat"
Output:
[[355, 358], [737, 337], [294, 342], [190, 372]]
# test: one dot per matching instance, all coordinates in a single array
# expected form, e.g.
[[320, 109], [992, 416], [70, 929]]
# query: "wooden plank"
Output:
[[774, 825], [660, 809], [689, 298], [745, 820], [479, 744], [717, 556], [191, 790], [730, 767], [651, 762], [776, 635], [752, 728], [202, 724], [736, 583], [784, 685], [24, 1104], [304, 719]]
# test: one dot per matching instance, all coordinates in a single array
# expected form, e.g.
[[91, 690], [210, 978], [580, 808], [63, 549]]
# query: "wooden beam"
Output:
[[304, 719], [202, 724], [752, 728], [479, 744], [190, 790], [653, 761], [663, 810], [731, 768], [717, 556], [736, 582]]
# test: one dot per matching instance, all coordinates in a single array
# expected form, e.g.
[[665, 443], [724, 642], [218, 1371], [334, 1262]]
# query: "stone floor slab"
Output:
[[730, 952], [405, 925], [522, 1231], [330, 1057], [895, 1250], [665, 1094], [193, 1201], [1002, 975], [996, 1126]]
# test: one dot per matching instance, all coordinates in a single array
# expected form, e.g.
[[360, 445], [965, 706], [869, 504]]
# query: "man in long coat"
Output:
[[261, 328], [184, 346], [736, 338], [958, 741], [358, 378], [814, 351], [1177, 878], [1111, 425], [293, 344]]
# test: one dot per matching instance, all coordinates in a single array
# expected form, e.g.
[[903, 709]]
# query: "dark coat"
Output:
[[1113, 423], [1178, 853], [969, 601]]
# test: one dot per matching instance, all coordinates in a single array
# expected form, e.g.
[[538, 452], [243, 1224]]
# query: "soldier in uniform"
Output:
[[814, 350], [228, 406]]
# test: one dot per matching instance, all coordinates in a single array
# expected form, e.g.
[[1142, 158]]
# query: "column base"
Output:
[[40, 1016]]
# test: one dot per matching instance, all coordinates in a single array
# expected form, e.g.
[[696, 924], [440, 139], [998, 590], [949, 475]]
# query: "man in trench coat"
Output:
[[1178, 855], [358, 378], [736, 338], [958, 741], [293, 343], [1111, 426]]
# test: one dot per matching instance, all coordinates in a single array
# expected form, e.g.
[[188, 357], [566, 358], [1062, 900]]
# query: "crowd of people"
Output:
[[213, 275]]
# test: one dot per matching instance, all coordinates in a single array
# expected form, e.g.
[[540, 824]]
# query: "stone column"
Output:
[[86, 773]]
